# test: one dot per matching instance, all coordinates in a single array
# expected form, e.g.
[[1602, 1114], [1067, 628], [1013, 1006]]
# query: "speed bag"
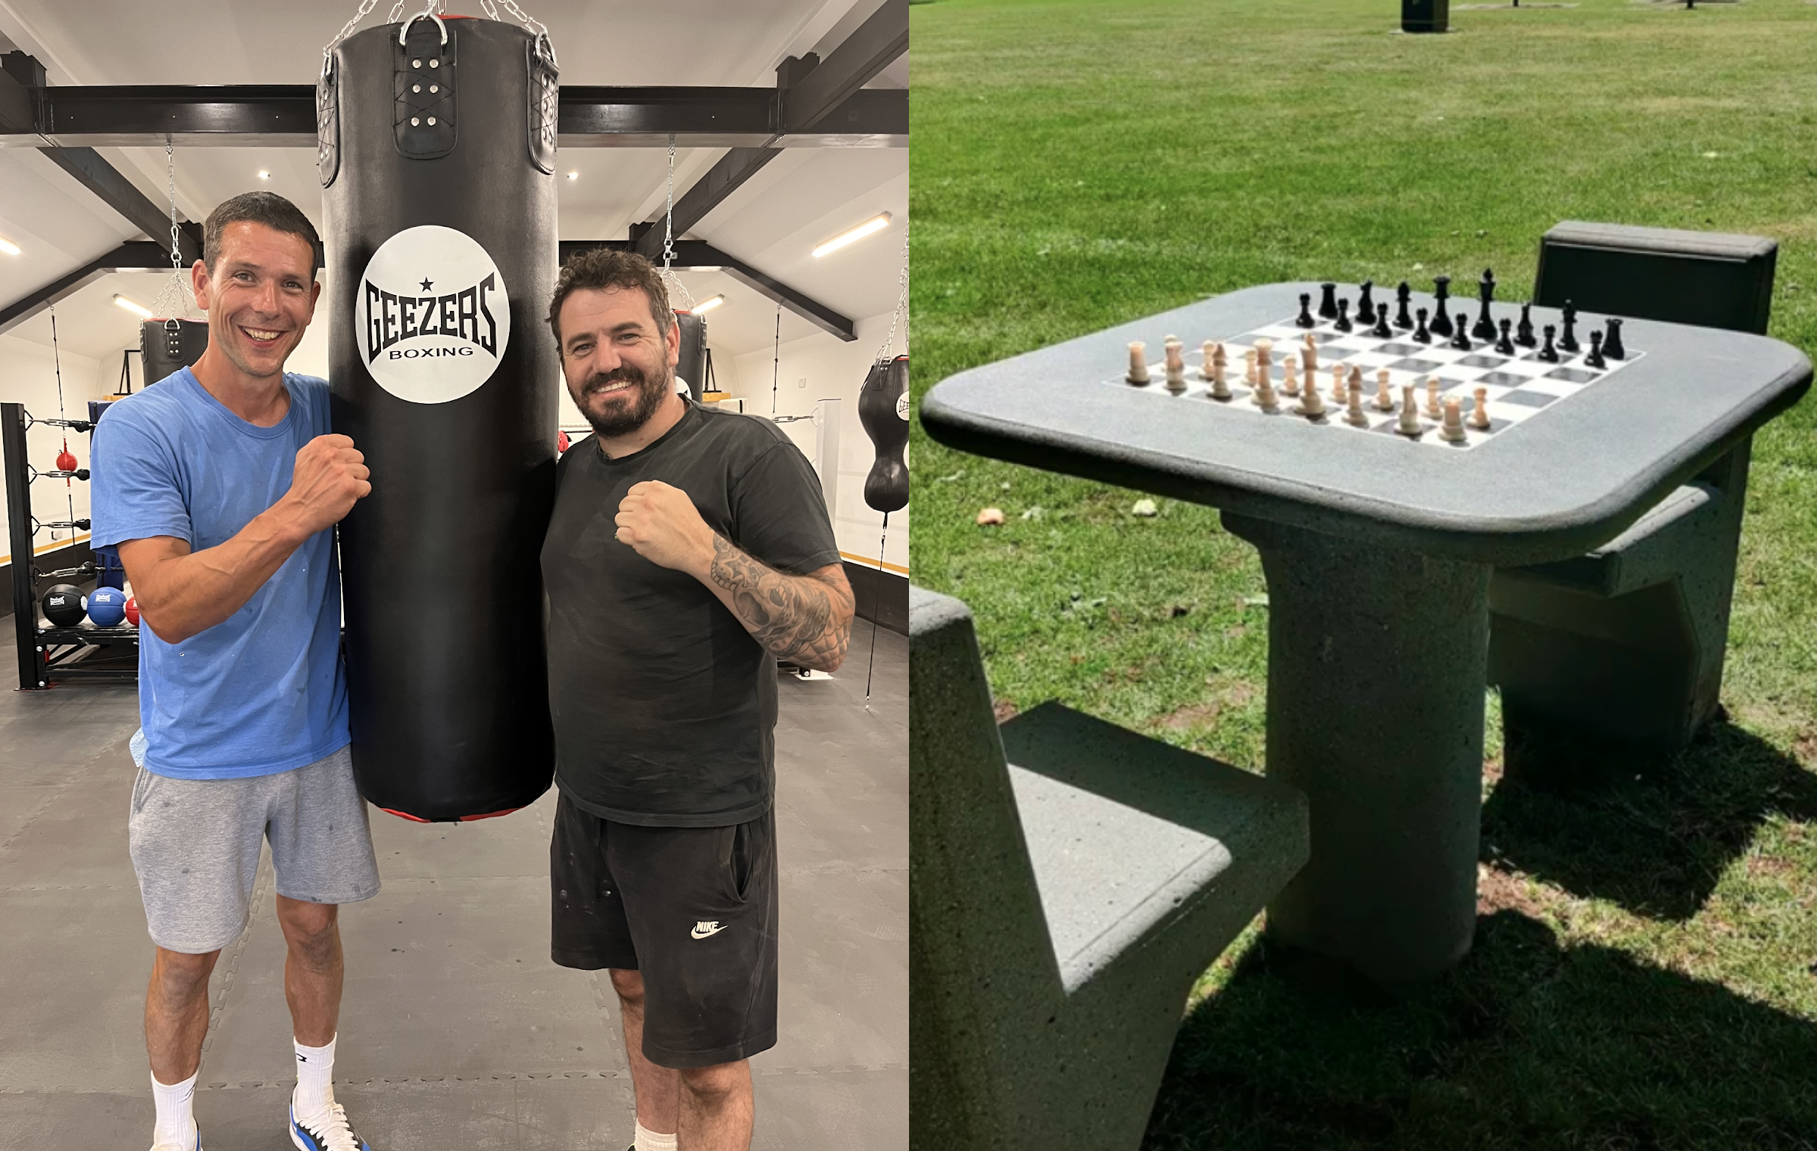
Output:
[[167, 346], [436, 152], [883, 410]]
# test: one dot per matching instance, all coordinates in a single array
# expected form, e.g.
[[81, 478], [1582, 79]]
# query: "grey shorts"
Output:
[[195, 845]]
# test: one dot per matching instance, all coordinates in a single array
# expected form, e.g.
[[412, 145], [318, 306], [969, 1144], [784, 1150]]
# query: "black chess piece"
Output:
[[1441, 291], [1404, 294], [1420, 333], [1549, 353], [1460, 339], [1485, 290], [1523, 335], [1505, 345], [1611, 344], [1594, 358], [1365, 304], [1382, 331], [1567, 341], [1306, 320], [1343, 321], [1328, 301]]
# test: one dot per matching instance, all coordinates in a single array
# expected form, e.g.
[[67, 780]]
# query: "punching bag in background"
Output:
[[168, 345], [693, 362], [883, 410], [436, 153]]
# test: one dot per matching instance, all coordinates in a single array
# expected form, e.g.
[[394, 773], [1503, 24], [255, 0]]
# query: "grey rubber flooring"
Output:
[[456, 1031]]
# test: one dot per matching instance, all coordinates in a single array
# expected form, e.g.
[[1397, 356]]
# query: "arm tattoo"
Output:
[[802, 619]]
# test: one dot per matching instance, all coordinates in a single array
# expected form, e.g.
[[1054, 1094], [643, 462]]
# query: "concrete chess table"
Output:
[[1378, 553]]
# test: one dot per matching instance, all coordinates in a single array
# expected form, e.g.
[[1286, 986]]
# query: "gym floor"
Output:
[[456, 1030]]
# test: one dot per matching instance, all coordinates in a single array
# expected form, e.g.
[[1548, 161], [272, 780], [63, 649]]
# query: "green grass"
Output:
[[1644, 971]]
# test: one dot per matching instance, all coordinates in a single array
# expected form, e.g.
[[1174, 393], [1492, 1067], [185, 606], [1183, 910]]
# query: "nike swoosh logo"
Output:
[[702, 930]]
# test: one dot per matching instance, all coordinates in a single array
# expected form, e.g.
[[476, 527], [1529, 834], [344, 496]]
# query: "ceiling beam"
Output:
[[809, 92], [132, 256], [700, 254], [283, 116]]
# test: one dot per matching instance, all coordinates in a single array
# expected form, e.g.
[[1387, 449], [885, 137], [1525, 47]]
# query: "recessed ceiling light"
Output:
[[709, 305], [137, 309], [874, 224], [704, 268], [264, 175], [573, 175], [8, 247]]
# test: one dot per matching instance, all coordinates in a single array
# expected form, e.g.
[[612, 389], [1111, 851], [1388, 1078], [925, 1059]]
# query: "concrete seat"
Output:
[[1617, 655], [1063, 901]]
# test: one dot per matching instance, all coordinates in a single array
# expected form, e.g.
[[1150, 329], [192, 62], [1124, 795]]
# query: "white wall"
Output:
[[831, 368], [28, 376]]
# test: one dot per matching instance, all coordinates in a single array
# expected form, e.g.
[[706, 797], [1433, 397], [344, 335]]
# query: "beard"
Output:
[[630, 409]]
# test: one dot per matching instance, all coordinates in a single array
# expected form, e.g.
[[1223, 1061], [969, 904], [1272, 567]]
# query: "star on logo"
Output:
[[427, 284]]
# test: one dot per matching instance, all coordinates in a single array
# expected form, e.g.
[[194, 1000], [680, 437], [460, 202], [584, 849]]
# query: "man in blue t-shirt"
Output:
[[219, 486]]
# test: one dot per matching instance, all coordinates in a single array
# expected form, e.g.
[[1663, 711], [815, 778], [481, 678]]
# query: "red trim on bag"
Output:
[[489, 815]]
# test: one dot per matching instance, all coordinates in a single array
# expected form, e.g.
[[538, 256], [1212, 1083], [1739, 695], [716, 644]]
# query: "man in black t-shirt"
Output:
[[690, 548]]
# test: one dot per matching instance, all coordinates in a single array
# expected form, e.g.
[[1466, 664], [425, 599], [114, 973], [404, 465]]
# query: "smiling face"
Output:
[[260, 296], [619, 365]]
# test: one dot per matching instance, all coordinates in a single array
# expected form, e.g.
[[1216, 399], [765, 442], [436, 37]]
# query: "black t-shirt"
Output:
[[664, 706]]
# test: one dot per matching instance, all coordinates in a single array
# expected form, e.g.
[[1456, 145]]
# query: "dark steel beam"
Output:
[[700, 254], [118, 193], [283, 116], [132, 256], [810, 95]]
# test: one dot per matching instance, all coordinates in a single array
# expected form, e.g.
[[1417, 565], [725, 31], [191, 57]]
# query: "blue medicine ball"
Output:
[[107, 606]]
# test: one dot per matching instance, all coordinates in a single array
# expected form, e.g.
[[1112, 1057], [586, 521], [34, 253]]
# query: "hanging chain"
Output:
[[528, 21], [172, 298], [776, 368], [901, 301], [170, 173], [668, 235], [347, 28]]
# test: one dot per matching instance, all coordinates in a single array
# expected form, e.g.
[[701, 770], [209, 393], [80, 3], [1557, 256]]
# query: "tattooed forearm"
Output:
[[805, 619]]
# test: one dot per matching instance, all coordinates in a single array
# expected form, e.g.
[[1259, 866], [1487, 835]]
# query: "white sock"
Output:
[[315, 1079], [176, 1115], [648, 1140]]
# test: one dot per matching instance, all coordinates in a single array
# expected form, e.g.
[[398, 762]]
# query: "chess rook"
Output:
[[1138, 362]]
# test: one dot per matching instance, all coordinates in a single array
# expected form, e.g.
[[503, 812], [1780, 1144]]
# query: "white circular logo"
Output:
[[432, 315], [902, 406]]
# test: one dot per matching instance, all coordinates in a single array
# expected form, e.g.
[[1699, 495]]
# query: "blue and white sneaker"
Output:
[[326, 1132]]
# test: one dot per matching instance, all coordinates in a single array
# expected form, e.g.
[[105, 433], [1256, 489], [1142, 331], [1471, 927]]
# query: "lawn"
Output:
[[1646, 967]]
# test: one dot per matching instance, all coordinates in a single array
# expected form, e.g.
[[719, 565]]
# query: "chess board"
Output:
[[1520, 387]]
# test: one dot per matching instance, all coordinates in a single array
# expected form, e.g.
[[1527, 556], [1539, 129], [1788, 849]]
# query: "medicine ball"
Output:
[[64, 605], [107, 607], [132, 610]]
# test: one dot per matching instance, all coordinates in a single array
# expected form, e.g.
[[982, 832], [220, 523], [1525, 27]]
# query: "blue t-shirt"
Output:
[[263, 691]]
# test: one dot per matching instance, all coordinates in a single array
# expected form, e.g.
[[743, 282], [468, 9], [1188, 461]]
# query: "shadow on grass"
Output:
[[1657, 843], [1525, 1045]]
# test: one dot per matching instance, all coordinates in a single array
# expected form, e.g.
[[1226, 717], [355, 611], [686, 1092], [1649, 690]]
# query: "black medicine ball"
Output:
[[64, 606]]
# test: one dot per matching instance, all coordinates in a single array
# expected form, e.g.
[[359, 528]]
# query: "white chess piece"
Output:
[[1383, 401], [1205, 359], [1410, 416], [1337, 382], [1479, 412], [1138, 362], [1220, 388], [1311, 403], [1355, 415], [1432, 409], [1176, 366], [1290, 367], [1309, 355], [1264, 396], [1452, 431], [1249, 366]]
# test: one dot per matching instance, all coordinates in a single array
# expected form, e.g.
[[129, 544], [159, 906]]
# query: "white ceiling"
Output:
[[772, 222]]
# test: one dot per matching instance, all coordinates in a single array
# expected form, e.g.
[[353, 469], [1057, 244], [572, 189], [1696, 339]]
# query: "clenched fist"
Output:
[[661, 524], [330, 474]]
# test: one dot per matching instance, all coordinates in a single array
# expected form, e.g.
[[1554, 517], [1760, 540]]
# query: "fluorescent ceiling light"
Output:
[[8, 247], [704, 268], [137, 309], [709, 305], [264, 175], [573, 175], [874, 224]]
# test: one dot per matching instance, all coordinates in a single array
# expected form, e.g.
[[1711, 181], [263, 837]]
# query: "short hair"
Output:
[[600, 268], [267, 208]]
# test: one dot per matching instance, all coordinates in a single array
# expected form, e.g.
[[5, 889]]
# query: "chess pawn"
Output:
[[1355, 416], [1354, 385], [1290, 369], [1176, 366], [1337, 382], [1479, 411], [1420, 334], [1432, 408], [1309, 355], [1220, 388], [1383, 401], [1409, 424], [1594, 358], [1205, 351], [1249, 366], [1138, 362], [1452, 430]]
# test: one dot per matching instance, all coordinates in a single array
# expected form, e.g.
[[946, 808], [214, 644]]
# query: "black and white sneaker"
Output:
[[328, 1131]]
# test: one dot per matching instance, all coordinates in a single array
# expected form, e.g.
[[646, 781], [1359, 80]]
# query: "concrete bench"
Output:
[[1618, 653], [1063, 902]]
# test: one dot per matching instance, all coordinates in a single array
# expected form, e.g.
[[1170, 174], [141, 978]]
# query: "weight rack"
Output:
[[49, 655]]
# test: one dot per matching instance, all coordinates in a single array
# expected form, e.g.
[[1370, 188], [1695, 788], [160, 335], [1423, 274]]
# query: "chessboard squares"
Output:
[[1573, 375], [1546, 386], [1414, 365], [1399, 349], [1526, 398], [1479, 360]]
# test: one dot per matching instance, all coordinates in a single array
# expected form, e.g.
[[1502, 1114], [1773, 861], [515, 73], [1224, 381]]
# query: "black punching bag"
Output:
[[691, 364], [437, 150], [883, 410], [168, 345]]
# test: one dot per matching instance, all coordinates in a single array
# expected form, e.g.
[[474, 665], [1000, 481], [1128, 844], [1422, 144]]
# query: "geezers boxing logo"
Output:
[[432, 315]]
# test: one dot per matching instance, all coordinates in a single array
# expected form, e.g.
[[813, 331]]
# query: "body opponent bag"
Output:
[[883, 410], [436, 151], [166, 346]]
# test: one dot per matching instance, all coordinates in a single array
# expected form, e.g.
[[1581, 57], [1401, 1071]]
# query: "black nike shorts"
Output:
[[692, 908]]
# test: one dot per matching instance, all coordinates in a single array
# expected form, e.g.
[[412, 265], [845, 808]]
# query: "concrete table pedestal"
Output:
[[1375, 713]]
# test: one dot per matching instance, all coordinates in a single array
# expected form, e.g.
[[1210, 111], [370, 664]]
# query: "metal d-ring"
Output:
[[545, 49], [405, 30]]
